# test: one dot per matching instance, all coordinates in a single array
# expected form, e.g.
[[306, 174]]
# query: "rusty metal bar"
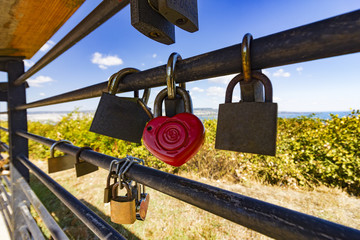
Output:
[[327, 38], [96, 224], [105, 10], [268, 219]]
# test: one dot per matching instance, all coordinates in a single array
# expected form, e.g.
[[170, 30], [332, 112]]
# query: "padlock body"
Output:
[[61, 163], [182, 13], [249, 127], [83, 168], [119, 117], [143, 206], [122, 211], [151, 23], [174, 140], [174, 106]]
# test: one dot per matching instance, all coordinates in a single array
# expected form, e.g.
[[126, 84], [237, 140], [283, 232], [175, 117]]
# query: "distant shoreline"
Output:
[[202, 113]]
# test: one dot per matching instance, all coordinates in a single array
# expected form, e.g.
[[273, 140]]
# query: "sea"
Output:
[[202, 113]]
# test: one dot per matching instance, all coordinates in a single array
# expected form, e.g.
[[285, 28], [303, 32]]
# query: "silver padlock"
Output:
[[248, 126]]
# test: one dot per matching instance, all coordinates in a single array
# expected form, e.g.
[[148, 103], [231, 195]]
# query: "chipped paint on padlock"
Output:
[[151, 23], [248, 126], [121, 117], [123, 208], [177, 139]]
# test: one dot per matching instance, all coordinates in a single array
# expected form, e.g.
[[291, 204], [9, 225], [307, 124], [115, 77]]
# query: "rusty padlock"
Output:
[[123, 208], [120, 117], [60, 163], [142, 202], [81, 167], [248, 126]]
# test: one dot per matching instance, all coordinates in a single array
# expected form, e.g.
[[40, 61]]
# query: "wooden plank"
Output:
[[26, 25]]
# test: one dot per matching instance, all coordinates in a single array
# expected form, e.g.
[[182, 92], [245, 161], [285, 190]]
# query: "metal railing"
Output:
[[331, 37]]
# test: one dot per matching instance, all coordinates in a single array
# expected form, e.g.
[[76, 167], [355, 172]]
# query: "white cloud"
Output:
[[28, 63], [275, 98], [197, 89], [299, 69], [222, 79], [39, 81], [49, 44], [215, 91], [105, 61], [42, 94], [281, 73], [160, 62], [154, 55]]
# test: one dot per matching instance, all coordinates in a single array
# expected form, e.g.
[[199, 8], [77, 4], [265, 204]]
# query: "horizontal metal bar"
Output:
[[55, 230], [4, 129], [263, 217], [4, 112], [85, 214], [327, 38], [105, 10], [30, 222]]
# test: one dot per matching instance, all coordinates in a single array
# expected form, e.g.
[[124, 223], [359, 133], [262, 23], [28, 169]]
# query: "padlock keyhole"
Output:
[[149, 128]]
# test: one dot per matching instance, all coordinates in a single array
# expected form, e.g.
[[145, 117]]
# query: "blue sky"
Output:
[[323, 85]]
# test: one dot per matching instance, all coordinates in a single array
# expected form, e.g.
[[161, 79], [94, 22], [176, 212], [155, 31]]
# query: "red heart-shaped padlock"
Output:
[[174, 140]]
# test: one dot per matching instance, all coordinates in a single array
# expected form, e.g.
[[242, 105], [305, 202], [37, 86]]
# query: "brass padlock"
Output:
[[142, 202], [81, 167], [120, 117], [248, 126], [60, 163], [123, 208]]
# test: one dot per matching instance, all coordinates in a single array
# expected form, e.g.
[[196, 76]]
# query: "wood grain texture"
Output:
[[26, 25]]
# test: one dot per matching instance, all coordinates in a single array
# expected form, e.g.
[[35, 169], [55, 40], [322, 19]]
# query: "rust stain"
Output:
[[29, 24]]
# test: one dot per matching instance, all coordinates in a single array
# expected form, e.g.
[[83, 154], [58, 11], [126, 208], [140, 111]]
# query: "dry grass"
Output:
[[169, 218]]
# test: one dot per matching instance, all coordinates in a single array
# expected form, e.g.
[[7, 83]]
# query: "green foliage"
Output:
[[310, 151]]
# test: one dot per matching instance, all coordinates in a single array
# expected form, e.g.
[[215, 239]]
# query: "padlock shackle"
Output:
[[164, 93], [52, 148], [128, 190], [77, 156], [245, 56], [116, 78], [170, 75], [254, 75]]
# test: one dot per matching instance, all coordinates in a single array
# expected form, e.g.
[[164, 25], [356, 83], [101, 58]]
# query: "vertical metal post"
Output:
[[17, 119]]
